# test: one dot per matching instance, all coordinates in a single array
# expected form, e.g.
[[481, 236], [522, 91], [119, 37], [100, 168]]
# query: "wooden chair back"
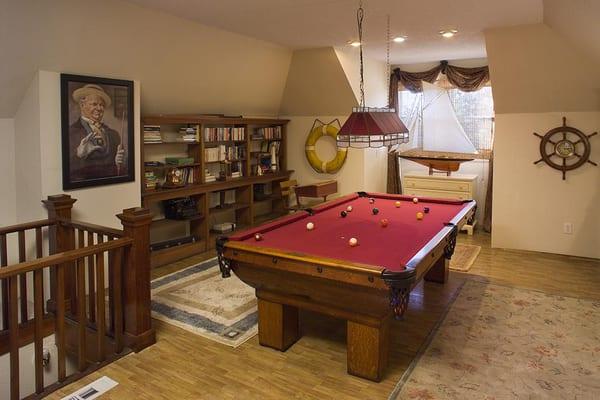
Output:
[[287, 193]]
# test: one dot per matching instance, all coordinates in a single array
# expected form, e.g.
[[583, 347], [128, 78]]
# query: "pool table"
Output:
[[292, 267]]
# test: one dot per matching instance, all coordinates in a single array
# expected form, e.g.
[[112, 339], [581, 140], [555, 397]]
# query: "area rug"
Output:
[[199, 300], [464, 256], [498, 342]]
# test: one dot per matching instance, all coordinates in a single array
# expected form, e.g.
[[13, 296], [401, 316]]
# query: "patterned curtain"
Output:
[[466, 79]]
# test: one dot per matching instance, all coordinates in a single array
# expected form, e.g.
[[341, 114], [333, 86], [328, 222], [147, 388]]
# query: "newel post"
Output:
[[62, 238], [136, 279]]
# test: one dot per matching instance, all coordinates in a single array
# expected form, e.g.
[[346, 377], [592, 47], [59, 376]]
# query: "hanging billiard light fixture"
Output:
[[370, 126]]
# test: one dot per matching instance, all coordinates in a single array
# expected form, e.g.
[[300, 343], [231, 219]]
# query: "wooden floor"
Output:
[[185, 366]]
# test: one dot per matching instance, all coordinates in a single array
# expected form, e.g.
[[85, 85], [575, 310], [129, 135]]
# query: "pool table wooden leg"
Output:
[[368, 349], [277, 325], [439, 271]]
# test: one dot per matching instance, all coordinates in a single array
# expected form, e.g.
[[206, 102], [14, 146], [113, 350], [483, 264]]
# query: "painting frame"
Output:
[[97, 131]]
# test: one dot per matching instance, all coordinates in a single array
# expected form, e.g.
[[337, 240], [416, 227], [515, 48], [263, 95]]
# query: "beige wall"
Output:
[[363, 170], [537, 79], [8, 205], [323, 84], [28, 163], [535, 69], [316, 85], [532, 202], [184, 67]]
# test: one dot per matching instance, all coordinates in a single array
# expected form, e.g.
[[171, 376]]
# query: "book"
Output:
[[179, 161]]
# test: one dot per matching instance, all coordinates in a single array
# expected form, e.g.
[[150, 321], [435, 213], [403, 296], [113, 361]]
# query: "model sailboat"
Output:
[[444, 142]]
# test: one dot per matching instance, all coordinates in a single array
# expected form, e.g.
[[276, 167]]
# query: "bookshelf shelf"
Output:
[[236, 154]]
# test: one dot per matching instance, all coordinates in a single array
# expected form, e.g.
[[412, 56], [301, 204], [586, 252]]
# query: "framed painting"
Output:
[[97, 131]]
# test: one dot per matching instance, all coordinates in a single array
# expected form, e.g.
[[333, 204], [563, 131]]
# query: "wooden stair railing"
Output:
[[87, 265]]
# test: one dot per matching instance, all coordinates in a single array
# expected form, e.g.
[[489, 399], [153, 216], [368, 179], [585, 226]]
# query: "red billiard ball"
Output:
[[371, 200], [384, 222], [258, 237]]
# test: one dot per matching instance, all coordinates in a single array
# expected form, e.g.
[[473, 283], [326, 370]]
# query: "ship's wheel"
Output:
[[565, 148]]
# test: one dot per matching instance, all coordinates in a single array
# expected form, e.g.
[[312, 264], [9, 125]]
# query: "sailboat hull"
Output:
[[437, 161]]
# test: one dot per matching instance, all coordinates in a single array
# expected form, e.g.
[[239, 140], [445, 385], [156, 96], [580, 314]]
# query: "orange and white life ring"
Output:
[[318, 131]]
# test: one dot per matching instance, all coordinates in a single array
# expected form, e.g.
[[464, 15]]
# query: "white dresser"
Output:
[[460, 187]]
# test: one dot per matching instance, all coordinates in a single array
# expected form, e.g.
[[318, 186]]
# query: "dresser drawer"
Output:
[[438, 184], [437, 194]]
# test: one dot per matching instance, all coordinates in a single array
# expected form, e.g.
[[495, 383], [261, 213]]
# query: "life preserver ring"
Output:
[[318, 131]]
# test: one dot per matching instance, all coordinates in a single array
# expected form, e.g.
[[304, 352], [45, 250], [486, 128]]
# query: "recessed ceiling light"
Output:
[[399, 39], [354, 43], [448, 33]]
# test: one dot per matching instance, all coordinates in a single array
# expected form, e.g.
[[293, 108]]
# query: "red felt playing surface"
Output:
[[390, 247]]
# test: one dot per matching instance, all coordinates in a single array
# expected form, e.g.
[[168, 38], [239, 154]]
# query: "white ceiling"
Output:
[[318, 23]]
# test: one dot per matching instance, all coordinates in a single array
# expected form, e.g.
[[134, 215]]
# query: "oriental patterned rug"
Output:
[[499, 342], [200, 301], [464, 256]]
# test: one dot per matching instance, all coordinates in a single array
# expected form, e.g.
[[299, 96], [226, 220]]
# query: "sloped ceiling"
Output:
[[578, 21], [316, 85]]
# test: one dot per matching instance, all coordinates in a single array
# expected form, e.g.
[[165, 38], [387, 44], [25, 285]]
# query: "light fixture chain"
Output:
[[359, 20], [388, 70]]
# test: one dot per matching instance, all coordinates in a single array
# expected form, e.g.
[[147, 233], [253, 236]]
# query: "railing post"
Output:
[[62, 238], [139, 333]]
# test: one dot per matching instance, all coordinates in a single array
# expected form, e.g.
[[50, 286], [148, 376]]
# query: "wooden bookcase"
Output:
[[244, 200]]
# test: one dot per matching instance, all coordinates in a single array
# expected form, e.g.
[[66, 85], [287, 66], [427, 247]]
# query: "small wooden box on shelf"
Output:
[[214, 157]]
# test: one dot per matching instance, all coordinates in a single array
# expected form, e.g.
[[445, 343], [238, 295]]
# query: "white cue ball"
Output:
[[310, 226], [415, 200], [349, 208], [353, 242]]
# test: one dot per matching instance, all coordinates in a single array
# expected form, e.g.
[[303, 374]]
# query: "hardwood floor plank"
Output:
[[183, 365]]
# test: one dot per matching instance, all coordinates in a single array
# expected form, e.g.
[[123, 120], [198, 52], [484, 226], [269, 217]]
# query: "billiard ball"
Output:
[[419, 215], [343, 214], [258, 237], [353, 242], [384, 222], [349, 208], [415, 200], [310, 226], [397, 204], [375, 211], [371, 200], [426, 210]]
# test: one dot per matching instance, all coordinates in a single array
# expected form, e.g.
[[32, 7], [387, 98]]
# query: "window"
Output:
[[474, 111]]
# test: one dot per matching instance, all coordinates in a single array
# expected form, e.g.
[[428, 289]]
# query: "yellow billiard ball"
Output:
[[397, 204], [420, 215]]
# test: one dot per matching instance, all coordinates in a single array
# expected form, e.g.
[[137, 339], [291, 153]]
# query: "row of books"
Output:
[[190, 134], [151, 180], [189, 175], [224, 133], [152, 134], [272, 132], [223, 152]]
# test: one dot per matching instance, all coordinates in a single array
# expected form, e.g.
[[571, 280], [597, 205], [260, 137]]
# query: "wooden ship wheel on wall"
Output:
[[565, 148]]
